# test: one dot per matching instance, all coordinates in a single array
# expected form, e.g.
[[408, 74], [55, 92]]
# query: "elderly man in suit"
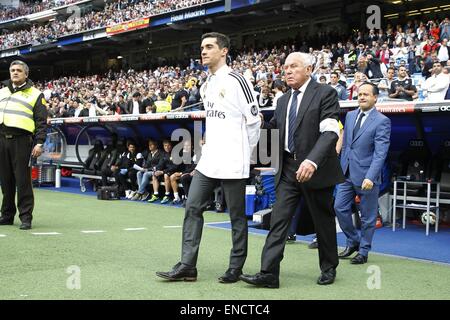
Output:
[[364, 151], [307, 118]]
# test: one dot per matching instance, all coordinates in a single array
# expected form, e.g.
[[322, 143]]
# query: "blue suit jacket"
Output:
[[366, 153]]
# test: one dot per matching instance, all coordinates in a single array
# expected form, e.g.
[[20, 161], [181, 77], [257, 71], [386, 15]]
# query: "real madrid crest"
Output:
[[222, 93]]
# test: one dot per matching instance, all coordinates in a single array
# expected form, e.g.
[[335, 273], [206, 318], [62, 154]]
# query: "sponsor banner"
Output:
[[90, 120], [191, 14], [396, 108], [198, 115], [128, 26], [187, 15], [94, 36], [110, 119], [170, 116], [55, 121], [445, 108], [73, 120], [9, 53], [153, 116], [130, 118]]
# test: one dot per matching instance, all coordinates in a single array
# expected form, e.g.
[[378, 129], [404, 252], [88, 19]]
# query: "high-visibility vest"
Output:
[[162, 106], [16, 109]]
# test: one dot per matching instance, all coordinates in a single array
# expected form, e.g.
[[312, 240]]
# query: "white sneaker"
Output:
[[127, 193], [132, 194]]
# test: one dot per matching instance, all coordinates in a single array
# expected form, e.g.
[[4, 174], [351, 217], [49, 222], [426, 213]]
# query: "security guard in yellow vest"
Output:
[[23, 129]]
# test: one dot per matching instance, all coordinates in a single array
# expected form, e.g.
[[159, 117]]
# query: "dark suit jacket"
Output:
[[319, 102], [129, 108]]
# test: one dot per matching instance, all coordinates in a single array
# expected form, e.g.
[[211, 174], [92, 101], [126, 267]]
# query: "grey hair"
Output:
[[305, 58], [21, 63]]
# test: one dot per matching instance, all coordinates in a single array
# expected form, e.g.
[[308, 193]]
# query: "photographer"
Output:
[[373, 69]]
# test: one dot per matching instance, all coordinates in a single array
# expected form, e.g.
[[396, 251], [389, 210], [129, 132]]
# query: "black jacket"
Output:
[[39, 117], [319, 102]]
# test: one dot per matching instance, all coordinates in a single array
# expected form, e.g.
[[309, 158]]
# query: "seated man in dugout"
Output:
[[158, 174], [151, 156], [187, 161]]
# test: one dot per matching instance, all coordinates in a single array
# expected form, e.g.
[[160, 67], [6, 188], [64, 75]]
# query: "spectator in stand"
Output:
[[373, 69], [135, 106], [385, 85], [402, 88], [334, 82], [443, 52], [278, 90], [264, 98], [180, 98], [353, 90], [445, 29], [437, 84], [434, 30]]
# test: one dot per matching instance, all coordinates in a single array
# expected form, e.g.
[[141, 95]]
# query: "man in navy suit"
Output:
[[364, 151]]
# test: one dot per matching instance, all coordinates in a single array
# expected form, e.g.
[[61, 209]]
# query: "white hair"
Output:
[[305, 58]]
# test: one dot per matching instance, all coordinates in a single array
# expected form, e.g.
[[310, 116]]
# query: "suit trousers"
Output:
[[319, 204], [199, 195], [15, 173], [345, 197]]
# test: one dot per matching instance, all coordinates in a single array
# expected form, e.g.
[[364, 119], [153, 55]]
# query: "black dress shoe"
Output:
[[291, 238], [25, 226], [359, 259], [267, 280], [313, 245], [179, 272], [230, 276], [327, 277], [348, 251], [4, 221]]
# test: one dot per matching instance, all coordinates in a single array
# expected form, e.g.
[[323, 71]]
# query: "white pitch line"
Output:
[[93, 231], [227, 221], [134, 229], [168, 227], [46, 233], [2, 235]]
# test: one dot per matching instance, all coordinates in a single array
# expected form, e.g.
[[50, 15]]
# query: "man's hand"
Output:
[[37, 150], [305, 171], [158, 173], [367, 185]]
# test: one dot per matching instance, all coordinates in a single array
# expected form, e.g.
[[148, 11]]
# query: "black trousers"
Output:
[[15, 173], [319, 204], [186, 183], [199, 195]]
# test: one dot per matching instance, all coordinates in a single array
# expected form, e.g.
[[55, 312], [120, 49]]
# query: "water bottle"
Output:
[[421, 96], [58, 177]]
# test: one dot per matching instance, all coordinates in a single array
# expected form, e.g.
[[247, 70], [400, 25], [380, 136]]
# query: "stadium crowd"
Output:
[[115, 12], [389, 58], [28, 7], [343, 65]]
